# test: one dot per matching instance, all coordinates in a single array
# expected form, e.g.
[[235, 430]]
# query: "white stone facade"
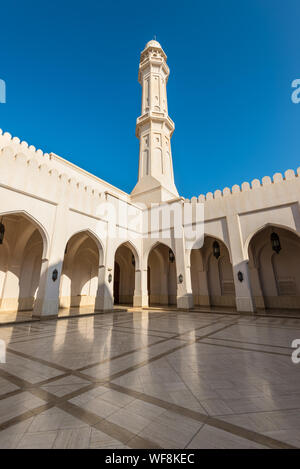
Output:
[[58, 251]]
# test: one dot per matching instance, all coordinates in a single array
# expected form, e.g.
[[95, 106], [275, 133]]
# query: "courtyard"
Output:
[[151, 379]]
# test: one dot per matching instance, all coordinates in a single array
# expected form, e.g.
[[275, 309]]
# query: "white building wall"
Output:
[[62, 200]]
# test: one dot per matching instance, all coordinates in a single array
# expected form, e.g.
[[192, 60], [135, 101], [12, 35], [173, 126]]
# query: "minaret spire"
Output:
[[154, 129]]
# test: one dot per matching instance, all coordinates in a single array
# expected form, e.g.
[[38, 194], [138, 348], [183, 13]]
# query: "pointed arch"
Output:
[[25, 245], [92, 235], [79, 279], [129, 244], [263, 227], [166, 243], [42, 230], [217, 238], [126, 265], [162, 274], [275, 275], [212, 276]]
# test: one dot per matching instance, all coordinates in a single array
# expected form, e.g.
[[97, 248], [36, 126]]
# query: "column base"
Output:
[[185, 302], [104, 304], [45, 308], [140, 301], [245, 305], [45, 318]]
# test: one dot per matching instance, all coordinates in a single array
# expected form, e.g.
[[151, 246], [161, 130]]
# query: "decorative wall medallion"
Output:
[[240, 276], [54, 275], [109, 278], [180, 278]]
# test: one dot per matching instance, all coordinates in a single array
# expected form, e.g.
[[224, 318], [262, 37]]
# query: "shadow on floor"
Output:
[[15, 317]]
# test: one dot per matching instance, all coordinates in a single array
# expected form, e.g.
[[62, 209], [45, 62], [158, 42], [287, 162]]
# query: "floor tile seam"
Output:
[[245, 349]]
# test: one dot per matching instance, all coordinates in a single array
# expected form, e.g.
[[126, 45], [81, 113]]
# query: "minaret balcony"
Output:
[[154, 116]]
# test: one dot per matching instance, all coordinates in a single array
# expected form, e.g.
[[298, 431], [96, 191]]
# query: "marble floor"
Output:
[[151, 379], [7, 317], [12, 317]]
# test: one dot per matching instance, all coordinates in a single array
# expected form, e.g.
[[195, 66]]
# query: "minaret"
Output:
[[154, 129]]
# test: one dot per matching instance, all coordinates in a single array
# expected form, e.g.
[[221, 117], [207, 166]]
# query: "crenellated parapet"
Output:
[[254, 186], [6, 139], [48, 177]]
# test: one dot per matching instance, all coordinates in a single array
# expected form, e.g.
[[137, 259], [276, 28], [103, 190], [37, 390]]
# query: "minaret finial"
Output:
[[154, 37]]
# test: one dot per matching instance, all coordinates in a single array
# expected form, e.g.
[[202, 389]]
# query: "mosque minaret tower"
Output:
[[154, 129]]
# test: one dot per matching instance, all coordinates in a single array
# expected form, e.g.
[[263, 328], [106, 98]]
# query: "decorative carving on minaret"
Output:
[[154, 128]]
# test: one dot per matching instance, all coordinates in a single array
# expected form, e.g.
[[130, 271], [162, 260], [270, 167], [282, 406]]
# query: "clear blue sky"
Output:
[[71, 73]]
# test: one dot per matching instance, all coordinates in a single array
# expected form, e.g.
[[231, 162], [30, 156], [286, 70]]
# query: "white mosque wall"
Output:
[[63, 200]]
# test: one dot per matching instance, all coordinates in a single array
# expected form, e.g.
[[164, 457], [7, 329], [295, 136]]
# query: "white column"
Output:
[[141, 299], [184, 290], [47, 300], [105, 299], [243, 291]]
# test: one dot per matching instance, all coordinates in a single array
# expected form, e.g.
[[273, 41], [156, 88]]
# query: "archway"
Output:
[[21, 250], [124, 274], [79, 279], [212, 274], [274, 259], [162, 285]]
